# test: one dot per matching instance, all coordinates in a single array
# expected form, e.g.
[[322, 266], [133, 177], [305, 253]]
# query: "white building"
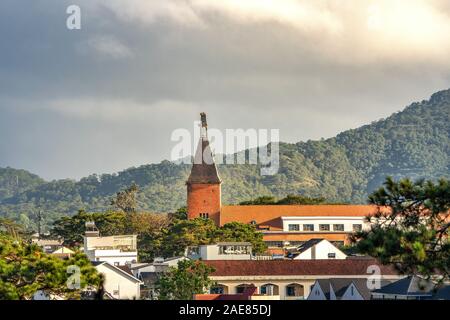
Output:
[[291, 279], [117, 250], [324, 224], [222, 251], [119, 281], [318, 249]]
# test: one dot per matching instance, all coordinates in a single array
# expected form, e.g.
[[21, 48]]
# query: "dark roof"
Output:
[[204, 169], [329, 267], [308, 244], [340, 286], [412, 285], [149, 278], [126, 269], [442, 293]]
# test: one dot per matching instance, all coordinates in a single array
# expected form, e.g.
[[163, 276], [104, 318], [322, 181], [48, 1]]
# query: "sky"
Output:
[[110, 95]]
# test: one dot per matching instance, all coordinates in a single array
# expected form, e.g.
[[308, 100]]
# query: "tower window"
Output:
[[204, 215]]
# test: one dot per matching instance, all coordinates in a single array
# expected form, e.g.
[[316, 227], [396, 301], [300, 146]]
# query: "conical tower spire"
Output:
[[204, 169]]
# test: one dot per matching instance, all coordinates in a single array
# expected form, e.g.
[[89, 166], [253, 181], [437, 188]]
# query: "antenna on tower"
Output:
[[204, 128]]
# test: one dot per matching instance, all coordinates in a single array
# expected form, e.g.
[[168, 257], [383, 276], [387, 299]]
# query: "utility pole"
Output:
[[39, 224]]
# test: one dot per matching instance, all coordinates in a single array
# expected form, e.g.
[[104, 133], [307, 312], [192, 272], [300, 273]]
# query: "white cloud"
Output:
[[105, 45], [358, 31]]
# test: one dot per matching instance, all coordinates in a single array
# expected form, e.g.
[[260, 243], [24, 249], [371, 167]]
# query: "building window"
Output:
[[338, 227], [204, 215], [294, 227], [116, 264], [324, 227], [308, 227], [217, 290], [269, 289], [234, 249], [115, 292], [357, 227], [294, 290], [332, 255]]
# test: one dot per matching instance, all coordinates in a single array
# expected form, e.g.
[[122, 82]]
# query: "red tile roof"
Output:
[[270, 214], [348, 267]]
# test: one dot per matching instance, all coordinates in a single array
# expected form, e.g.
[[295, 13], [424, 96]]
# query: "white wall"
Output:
[[322, 249], [113, 256], [211, 252], [348, 222], [116, 281]]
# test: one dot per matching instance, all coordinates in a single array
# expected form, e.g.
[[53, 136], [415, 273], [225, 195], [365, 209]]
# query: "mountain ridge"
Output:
[[413, 142]]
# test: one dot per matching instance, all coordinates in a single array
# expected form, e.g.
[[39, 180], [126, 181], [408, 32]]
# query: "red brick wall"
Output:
[[204, 198]]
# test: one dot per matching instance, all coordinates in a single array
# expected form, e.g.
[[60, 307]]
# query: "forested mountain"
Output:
[[412, 143]]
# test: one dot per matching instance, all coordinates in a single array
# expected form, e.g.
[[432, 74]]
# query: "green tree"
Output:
[[298, 199], [185, 233], [179, 214], [181, 283], [263, 200], [126, 200], [241, 232], [413, 233], [72, 229], [25, 269]]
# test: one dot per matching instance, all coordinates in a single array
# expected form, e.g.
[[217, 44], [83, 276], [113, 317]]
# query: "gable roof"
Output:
[[412, 285], [341, 285], [442, 293], [309, 244], [118, 270], [270, 215], [328, 267]]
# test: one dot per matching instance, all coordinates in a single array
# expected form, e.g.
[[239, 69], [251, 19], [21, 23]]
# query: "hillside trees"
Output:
[[25, 269], [414, 234]]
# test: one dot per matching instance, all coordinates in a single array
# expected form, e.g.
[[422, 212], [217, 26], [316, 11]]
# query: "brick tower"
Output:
[[204, 184]]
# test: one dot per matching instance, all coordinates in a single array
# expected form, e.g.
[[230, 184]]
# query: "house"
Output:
[[281, 225], [249, 293], [317, 249], [222, 251], [119, 281], [412, 288], [290, 279], [341, 289], [48, 245], [149, 273], [118, 250], [63, 252]]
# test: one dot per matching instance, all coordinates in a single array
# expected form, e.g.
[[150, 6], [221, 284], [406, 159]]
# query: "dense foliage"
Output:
[[414, 233], [25, 269], [181, 283], [288, 200], [158, 235], [412, 143]]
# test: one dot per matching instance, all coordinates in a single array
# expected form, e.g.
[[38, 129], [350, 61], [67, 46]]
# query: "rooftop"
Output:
[[270, 215], [204, 169], [352, 267]]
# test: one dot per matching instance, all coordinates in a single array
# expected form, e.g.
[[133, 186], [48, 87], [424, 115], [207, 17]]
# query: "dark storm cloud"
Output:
[[108, 96]]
